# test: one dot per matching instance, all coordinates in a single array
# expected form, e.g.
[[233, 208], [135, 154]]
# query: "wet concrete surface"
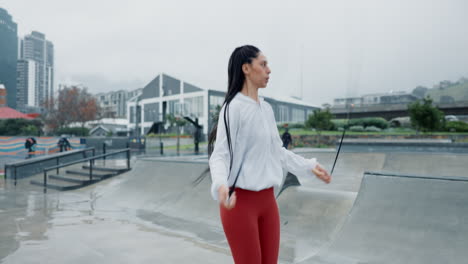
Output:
[[73, 227], [76, 227], [154, 214]]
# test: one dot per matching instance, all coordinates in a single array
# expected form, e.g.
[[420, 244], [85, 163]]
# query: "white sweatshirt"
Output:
[[257, 147]]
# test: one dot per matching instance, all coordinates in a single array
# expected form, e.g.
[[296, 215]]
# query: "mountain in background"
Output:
[[445, 92], [99, 84]]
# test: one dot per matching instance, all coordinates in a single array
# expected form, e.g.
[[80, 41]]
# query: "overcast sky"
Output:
[[331, 49]]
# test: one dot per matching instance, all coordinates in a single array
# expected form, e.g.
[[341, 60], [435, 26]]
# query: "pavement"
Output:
[[154, 214]]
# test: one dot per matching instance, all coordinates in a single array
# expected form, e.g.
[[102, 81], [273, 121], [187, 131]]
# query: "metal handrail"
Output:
[[86, 159], [57, 157], [91, 163]]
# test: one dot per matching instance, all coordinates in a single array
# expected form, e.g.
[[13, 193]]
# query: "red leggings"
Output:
[[252, 227]]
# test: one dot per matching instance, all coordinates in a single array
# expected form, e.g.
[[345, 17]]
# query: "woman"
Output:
[[248, 158]]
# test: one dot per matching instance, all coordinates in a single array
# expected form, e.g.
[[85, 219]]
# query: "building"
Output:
[[114, 104], [108, 126], [26, 84], [8, 55], [34, 47], [105, 127], [168, 95], [375, 99], [343, 102], [3, 95], [389, 98], [133, 93]]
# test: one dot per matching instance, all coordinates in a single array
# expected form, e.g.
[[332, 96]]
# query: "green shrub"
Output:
[[339, 123], [369, 121], [10, 127], [320, 120], [372, 129], [425, 116], [377, 122], [356, 129], [456, 126], [29, 130]]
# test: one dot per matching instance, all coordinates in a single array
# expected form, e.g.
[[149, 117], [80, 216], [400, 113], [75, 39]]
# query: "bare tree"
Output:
[[88, 108], [51, 116], [73, 104]]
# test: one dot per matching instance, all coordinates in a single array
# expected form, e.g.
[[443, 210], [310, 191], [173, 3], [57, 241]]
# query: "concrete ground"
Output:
[[154, 214]]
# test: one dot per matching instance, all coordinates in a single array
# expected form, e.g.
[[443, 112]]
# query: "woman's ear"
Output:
[[246, 68]]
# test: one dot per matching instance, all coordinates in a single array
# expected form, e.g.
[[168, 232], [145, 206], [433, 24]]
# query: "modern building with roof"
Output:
[[168, 95], [108, 126], [105, 126]]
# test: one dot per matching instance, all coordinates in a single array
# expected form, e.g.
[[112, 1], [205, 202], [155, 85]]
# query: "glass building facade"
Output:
[[8, 55], [26, 92], [167, 95], [35, 47]]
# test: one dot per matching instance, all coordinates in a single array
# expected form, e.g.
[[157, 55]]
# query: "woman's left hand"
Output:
[[321, 173]]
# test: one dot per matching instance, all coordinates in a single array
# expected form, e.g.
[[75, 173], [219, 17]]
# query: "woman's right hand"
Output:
[[321, 173], [224, 200]]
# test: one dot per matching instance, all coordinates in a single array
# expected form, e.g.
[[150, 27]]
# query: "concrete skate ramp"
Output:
[[313, 213], [161, 192], [429, 164], [403, 219]]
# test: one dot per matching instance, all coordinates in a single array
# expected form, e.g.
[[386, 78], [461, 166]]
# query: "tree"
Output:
[[29, 130], [215, 115], [23, 127], [178, 122], [88, 108], [320, 120], [73, 104], [51, 117], [424, 116]]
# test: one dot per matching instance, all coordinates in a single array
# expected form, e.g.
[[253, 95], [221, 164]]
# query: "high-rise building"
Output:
[[26, 85], [8, 55], [36, 48]]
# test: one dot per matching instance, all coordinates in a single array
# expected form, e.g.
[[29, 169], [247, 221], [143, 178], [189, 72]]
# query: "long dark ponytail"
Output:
[[236, 79]]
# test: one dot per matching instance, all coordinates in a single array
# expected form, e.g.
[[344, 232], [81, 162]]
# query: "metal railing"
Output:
[[91, 164], [57, 157]]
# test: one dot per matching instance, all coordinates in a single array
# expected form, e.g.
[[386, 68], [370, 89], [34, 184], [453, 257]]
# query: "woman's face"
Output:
[[258, 71]]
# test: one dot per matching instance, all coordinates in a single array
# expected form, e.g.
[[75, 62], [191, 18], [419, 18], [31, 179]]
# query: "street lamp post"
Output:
[[161, 144]]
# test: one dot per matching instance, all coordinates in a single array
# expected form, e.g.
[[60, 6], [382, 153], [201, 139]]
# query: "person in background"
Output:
[[286, 138], [30, 144], [64, 144]]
